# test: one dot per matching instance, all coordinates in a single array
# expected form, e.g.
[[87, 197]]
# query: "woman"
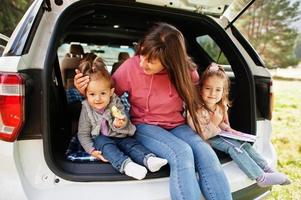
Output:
[[160, 79]]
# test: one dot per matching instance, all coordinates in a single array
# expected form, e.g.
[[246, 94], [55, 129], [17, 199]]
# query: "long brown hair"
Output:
[[166, 43]]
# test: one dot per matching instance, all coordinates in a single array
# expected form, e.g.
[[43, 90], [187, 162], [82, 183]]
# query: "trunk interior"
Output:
[[89, 23]]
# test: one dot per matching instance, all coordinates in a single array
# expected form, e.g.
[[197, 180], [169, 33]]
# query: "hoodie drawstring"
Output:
[[148, 95], [169, 85], [150, 89]]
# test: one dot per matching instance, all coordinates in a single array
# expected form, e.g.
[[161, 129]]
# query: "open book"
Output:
[[239, 136]]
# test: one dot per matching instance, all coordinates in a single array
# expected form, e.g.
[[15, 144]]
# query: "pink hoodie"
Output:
[[153, 98]]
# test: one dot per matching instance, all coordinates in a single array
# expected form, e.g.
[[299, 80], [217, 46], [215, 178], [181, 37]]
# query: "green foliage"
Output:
[[287, 137], [11, 11], [298, 48], [267, 25], [213, 50]]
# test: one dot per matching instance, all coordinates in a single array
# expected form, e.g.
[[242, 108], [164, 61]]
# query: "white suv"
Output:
[[36, 123]]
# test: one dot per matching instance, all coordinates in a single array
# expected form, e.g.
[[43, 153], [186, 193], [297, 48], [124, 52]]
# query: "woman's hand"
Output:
[[98, 155], [80, 81]]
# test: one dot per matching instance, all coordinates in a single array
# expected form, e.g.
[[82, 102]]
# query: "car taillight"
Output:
[[12, 93]]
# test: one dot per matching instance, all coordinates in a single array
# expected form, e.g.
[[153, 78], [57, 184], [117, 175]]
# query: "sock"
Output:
[[134, 170], [154, 163], [268, 169], [275, 178]]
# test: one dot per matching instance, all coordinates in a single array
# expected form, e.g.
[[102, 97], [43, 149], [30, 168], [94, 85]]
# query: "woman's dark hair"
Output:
[[166, 43]]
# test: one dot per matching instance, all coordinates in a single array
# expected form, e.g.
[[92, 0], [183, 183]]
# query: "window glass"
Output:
[[108, 53], [3, 42], [212, 49]]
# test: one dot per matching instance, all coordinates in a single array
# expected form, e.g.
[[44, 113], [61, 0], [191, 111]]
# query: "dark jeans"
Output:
[[120, 151]]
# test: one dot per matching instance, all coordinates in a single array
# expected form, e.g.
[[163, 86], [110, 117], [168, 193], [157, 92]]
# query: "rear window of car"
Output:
[[212, 49], [107, 52], [215, 53]]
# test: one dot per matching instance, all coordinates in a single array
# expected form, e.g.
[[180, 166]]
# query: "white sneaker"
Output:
[[134, 170], [154, 163]]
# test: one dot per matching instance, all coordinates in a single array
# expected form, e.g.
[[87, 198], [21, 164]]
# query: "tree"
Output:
[[11, 11], [267, 25], [298, 48]]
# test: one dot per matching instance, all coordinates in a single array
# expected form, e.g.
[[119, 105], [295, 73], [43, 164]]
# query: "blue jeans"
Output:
[[185, 151], [120, 151], [242, 153]]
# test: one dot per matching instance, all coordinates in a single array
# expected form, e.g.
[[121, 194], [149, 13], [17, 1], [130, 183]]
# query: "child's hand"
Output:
[[117, 113], [118, 123], [120, 119], [80, 81], [236, 132], [98, 155]]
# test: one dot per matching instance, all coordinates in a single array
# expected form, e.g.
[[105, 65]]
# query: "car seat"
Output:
[[122, 56], [70, 62]]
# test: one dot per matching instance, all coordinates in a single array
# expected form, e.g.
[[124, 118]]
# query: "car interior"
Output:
[[111, 26], [69, 61]]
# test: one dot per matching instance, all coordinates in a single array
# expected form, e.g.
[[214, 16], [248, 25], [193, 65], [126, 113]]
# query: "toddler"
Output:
[[104, 130]]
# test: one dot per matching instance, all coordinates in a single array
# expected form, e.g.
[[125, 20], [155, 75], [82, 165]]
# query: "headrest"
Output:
[[76, 49], [123, 56]]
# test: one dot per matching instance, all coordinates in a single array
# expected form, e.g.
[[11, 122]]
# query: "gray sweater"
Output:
[[90, 122]]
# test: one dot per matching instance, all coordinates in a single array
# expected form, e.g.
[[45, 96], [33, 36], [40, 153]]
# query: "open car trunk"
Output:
[[93, 23]]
